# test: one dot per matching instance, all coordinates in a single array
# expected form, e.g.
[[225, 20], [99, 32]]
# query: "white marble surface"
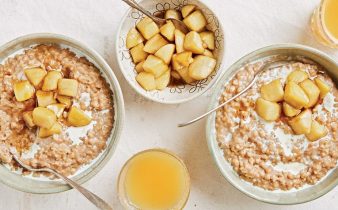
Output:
[[249, 24]]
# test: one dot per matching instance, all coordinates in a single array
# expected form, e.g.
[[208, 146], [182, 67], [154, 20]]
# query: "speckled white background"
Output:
[[249, 24]]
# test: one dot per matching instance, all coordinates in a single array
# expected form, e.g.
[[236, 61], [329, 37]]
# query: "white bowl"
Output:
[[293, 196], [174, 94], [43, 185]]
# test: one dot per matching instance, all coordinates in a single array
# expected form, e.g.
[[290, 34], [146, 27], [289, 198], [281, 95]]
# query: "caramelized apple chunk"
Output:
[[147, 27], [163, 81], [317, 131], [323, 87], [201, 67], [301, 124], [269, 111], [77, 117], [193, 43], [133, 38], [43, 117], [179, 40], [295, 96], [184, 74], [155, 66], [146, 80], [51, 81], [168, 31], [183, 59], [312, 92], [55, 129], [45, 98], [195, 21], [154, 44], [172, 14], [23, 90], [208, 39], [273, 91], [297, 76], [35, 75], [28, 118], [187, 10], [138, 54], [67, 87], [166, 52], [66, 100], [289, 110], [57, 108]]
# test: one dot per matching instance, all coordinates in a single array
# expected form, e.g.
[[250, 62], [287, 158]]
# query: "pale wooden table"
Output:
[[249, 24]]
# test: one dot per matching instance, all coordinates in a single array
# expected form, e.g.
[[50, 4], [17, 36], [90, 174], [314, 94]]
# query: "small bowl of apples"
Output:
[[164, 64]]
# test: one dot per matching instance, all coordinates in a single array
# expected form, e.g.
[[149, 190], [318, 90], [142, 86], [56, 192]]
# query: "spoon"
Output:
[[159, 21], [264, 68], [97, 201]]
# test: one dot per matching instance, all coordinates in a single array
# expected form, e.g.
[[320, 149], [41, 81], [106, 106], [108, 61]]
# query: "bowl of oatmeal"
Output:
[[162, 63], [278, 142], [61, 107]]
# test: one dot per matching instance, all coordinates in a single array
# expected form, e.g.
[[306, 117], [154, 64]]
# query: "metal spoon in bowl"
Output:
[[159, 21], [264, 68], [97, 201]]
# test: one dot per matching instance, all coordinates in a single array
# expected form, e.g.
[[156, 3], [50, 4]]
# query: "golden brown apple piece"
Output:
[[179, 41], [147, 27], [184, 58], [43, 117], [269, 111], [57, 108], [77, 117], [323, 87], [139, 67], [174, 74], [317, 131], [184, 73], [51, 81], [295, 96], [23, 90], [195, 21], [187, 10], [208, 39], [301, 124], [35, 75], [45, 98], [175, 64], [297, 76], [154, 44], [138, 54], [201, 67], [67, 87], [133, 38], [208, 53], [273, 91], [172, 14], [28, 118], [163, 81], [193, 43], [55, 129], [155, 66], [66, 100], [168, 31], [312, 92], [146, 80], [289, 110], [166, 52]]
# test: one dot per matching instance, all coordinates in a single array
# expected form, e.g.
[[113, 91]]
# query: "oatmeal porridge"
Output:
[[269, 148], [56, 110]]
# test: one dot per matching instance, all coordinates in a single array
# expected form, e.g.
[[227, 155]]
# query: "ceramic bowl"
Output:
[[43, 185], [174, 94], [275, 197]]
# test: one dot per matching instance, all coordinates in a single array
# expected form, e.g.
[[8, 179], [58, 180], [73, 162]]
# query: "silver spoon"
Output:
[[267, 66], [97, 201], [159, 21]]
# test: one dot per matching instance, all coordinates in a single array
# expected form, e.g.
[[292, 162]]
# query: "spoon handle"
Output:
[[219, 106], [96, 200], [135, 5]]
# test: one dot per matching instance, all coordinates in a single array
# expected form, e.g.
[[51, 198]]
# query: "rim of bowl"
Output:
[[119, 112], [211, 118], [217, 77]]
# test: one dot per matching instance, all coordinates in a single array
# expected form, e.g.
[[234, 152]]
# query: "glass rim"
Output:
[[121, 180], [328, 35]]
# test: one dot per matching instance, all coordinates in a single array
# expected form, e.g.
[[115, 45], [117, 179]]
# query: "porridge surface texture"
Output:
[[75, 146], [269, 154]]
